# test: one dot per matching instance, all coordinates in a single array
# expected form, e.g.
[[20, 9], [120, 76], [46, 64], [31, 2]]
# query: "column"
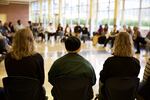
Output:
[[79, 11], [49, 10], [41, 16], [139, 17], [97, 8], [122, 14], [90, 16], [60, 11], [115, 11]]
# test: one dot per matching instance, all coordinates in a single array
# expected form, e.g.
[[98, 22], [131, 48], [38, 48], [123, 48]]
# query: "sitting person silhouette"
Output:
[[72, 65]]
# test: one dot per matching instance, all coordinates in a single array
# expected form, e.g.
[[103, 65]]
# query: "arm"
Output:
[[93, 76], [146, 71], [104, 72], [52, 74], [41, 70]]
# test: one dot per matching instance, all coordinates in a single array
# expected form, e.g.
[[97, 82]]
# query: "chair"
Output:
[[145, 90], [118, 88], [72, 88], [21, 88]]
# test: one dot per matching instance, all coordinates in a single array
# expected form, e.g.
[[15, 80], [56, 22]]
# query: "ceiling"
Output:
[[15, 1], [22, 0]]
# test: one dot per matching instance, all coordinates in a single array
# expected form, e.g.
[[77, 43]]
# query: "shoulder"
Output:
[[8, 56], [110, 59], [37, 55], [133, 59], [116, 58], [84, 61]]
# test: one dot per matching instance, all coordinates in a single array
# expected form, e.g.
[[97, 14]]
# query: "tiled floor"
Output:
[[95, 54]]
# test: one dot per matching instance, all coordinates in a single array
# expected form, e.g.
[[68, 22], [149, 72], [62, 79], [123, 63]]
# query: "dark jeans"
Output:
[[41, 35], [137, 43], [108, 39], [50, 34]]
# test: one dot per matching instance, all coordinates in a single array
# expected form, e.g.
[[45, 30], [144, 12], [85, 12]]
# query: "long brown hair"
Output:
[[23, 44], [123, 45]]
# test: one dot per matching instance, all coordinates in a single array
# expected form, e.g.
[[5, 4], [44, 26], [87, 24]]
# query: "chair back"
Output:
[[72, 88], [21, 88], [145, 90], [119, 88]]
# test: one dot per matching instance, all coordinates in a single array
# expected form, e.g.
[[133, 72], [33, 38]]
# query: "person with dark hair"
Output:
[[11, 26], [30, 25], [7, 32], [105, 30], [85, 33], [112, 36], [72, 65], [41, 32], [100, 30], [19, 25], [59, 32], [77, 30], [50, 30], [138, 39], [68, 31]]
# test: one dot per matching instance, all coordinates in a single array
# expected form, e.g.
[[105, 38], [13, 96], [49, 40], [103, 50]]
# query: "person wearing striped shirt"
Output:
[[146, 71], [144, 87]]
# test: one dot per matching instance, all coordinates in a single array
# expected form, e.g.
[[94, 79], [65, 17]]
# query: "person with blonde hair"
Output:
[[122, 63], [23, 60]]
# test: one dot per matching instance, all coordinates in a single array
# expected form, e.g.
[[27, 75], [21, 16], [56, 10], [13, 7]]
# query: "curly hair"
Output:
[[23, 44], [123, 45]]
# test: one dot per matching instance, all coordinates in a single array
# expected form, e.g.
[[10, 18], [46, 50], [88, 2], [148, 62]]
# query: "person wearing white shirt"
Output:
[[50, 30], [19, 25]]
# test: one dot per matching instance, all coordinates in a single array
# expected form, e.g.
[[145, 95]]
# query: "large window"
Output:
[[145, 14], [105, 12], [75, 12], [35, 12], [129, 12], [137, 15]]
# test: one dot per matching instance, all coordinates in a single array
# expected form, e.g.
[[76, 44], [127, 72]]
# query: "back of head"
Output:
[[23, 44], [123, 45], [72, 44], [19, 22]]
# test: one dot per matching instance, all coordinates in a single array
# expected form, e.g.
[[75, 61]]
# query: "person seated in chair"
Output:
[[138, 39], [41, 32], [112, 36], [72, 65], [23, 60], [77, 30], [85, 34], [59, 32], [122, 63], [144, 87], [50, 30]]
